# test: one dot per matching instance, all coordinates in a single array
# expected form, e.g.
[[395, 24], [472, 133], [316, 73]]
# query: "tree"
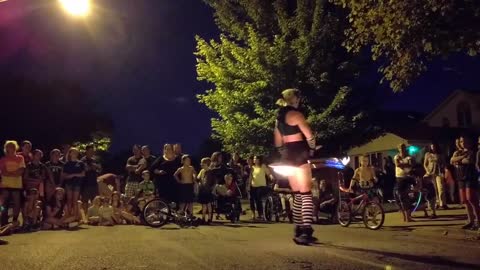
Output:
[[268, 46], [406, 34]]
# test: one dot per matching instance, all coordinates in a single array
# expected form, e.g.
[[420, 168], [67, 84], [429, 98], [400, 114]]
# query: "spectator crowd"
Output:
[[69, 188]]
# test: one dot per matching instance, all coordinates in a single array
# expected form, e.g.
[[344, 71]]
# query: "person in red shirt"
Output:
[[12, 167]]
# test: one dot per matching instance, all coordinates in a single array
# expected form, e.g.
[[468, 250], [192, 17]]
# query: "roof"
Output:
[[422, 132], [450, 98]]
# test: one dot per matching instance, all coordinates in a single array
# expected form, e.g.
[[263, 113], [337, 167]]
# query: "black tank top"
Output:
[[282, 125]]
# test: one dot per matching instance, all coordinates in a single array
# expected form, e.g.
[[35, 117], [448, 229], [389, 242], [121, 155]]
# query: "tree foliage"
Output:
[[405, 34], [268, 46]]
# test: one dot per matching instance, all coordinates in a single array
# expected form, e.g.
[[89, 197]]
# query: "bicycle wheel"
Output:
[[156, 213], [268, 209], [344, 214], [373, 216]]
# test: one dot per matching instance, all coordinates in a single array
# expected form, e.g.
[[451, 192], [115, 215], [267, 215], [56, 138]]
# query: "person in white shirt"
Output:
[[404, 179]]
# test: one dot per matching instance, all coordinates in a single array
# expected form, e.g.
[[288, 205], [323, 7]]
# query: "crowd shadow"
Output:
[[426, 259]]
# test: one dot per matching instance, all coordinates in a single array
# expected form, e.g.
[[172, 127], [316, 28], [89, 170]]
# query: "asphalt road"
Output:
[[241, 246]]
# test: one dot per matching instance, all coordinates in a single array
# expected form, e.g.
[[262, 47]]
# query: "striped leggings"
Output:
[[303, 209]]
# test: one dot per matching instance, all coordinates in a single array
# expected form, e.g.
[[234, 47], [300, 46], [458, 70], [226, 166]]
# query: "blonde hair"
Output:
[[10, 142], [287, 96], [70, 151]]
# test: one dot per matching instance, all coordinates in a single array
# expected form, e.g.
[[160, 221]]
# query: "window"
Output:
[[464, 114]]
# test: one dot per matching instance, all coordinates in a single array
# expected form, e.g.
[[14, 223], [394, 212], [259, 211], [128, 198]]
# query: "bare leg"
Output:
[[16, 205]]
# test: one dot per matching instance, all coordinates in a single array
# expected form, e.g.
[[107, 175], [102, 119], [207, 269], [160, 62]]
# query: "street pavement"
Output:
[[248, 245]]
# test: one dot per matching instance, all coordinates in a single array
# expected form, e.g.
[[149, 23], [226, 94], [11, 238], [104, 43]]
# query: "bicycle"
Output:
[[157, 213], [273, 208], [349, 209]]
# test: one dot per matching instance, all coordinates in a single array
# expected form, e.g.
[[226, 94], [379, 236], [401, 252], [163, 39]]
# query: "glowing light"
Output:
[[79, 8], [345, 161], [284, 170], [413, 150]]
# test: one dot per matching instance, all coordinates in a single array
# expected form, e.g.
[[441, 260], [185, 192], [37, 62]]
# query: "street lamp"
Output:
[[78, 8]]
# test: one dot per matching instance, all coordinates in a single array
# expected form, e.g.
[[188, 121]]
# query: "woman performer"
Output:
[[291, 129]]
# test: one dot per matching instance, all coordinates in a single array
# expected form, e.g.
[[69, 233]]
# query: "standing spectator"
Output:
[[55, 169], [73, 175], [466, 175], [92, 170], [133, 176], [185, 177], [237, 169], [164, 168], [257, 186], [146, 161], [177, 149], [247, 171], [12, 167], [389, 182], [26, 151], [205, 196], [450, 182], [36, 174], [434, 165], [65, 148], [404, 179], [218, 170]]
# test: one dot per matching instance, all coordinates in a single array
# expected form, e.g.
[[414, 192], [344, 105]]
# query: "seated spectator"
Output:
[[282, 187], [107, 183], [94, 211], [228, 191], [32, 210], [146, 188], [327, 199], [135, 207], [119, 214], [106, 213], [57, 213]]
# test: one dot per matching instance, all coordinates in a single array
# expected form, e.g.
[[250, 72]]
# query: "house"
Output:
[[458, 114]]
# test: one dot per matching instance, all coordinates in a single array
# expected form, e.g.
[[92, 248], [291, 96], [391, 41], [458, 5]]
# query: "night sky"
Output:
[[137, 58]]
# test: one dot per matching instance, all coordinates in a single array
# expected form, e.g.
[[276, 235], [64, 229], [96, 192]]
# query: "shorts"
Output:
[[471, 184], [205, 195], [131, 189], [402, 187], [89, 192], [73, 184], [185, 193], [296, 153]]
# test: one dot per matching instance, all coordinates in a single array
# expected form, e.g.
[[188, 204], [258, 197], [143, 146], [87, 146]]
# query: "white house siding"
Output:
[[448, 110]]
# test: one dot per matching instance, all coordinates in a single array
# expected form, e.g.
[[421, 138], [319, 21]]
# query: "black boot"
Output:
[[308, 230], [297, 231], [302, 237]]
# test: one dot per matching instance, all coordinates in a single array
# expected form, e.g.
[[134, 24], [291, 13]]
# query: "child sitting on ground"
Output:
[[32, 210], [94, 211], [58, 213], [120, 216], [146, 188], [106, 213]]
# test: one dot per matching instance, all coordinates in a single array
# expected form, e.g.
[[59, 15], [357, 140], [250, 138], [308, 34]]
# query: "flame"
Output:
[[284, 170]]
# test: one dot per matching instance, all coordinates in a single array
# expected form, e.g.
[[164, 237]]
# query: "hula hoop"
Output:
[[418, 201]]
